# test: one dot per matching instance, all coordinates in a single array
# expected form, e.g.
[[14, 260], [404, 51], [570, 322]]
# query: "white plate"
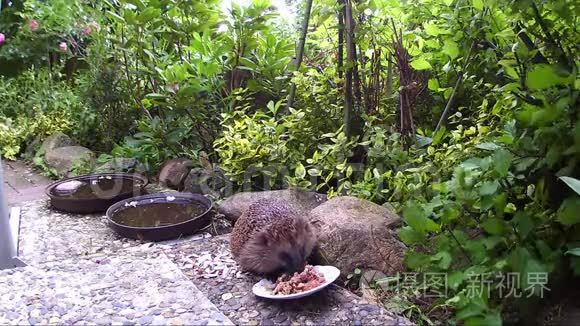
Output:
[[265, 288]]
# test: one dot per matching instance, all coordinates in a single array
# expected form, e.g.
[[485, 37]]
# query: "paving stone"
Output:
[[88, 292]]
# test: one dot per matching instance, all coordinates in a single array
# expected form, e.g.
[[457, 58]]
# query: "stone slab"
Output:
[[22, 183], [22, 176], [132, 286]]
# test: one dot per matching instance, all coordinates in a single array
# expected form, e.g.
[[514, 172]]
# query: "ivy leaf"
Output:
[[451, 49], [572, 183], [568, 214], [420, 64], [416, 218], [300, 171], [544, 76]]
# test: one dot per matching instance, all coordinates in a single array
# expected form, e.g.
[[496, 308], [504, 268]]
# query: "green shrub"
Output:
[[34, 106], [264, 148]]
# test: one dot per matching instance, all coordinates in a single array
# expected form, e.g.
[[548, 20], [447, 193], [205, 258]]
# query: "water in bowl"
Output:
[[102, 187], [158, 214]]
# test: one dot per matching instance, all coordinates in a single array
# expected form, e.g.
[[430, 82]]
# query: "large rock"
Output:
[[118, 164], [303, 201], [355, 233], [64, 159], [54, 141], [173, 173]]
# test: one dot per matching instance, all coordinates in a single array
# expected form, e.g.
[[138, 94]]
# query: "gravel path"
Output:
[[100, 277], [48, 235], [210, 266], [133, 286]]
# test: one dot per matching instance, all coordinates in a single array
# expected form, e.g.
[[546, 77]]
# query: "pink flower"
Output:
[[33, 25], [87, 30], [2, 38], [63, 47]]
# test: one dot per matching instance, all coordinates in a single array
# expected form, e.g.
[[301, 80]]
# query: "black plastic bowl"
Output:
[[190, 224], [101, 200]]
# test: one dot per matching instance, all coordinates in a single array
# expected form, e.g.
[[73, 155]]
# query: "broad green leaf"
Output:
[[494, 226], [420, 64], [439, 135], [455, 279], [502, 160], [433, 84], [149, 14], [478, 4], [314, 172], [569, 212], [449, 214], [572, 183], [573, 252], [116, 17], [488, 188], [524, 224], [415, 260], [490, 319], [451, 49], [492, 241], [448, 2], [349, 171], [469, 311], [416, 218], [300, 171], [488, 146], [410, 236], [544, 76], [444, 258]]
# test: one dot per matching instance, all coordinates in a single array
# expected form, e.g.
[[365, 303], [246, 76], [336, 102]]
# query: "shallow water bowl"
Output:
[[161, 216], [94, 193]]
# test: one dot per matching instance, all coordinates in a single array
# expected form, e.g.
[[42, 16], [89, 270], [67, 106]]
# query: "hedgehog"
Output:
[[270, 238]]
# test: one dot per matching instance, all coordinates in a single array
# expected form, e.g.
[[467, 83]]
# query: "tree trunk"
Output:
[[340, 53], [389, 86], [353, 125], [300, 50], [351, 51]]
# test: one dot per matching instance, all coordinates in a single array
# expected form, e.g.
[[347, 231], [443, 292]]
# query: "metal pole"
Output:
[[7, 248]]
